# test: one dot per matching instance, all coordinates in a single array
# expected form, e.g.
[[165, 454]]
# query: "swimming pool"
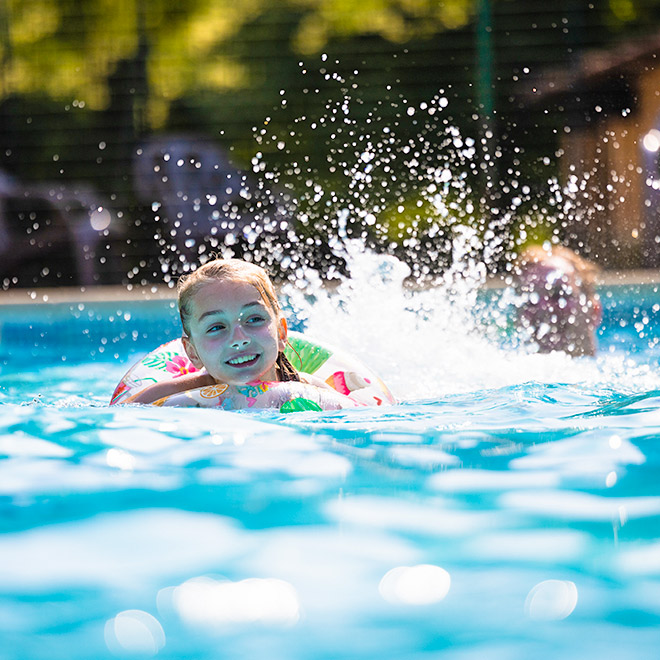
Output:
[[508, 508]]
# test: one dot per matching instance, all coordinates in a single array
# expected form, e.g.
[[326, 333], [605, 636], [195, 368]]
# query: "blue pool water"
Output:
[[508, 508]]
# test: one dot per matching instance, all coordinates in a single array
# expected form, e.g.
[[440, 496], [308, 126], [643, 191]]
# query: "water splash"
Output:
[[450, 338]]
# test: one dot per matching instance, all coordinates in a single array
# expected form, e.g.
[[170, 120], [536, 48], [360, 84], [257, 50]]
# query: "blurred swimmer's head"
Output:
[[559, 308]]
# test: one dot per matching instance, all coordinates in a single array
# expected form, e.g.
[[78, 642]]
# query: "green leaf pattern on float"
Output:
[[305, 356], [159, 360], [300, 405]]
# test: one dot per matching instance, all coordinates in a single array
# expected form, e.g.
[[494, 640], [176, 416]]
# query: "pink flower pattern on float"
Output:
[[180, 365]]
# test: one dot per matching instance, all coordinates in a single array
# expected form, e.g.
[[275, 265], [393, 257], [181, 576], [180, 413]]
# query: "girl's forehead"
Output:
[[226, 295]]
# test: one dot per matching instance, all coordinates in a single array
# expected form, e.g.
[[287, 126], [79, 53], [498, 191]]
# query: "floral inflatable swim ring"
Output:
[[353, 384]]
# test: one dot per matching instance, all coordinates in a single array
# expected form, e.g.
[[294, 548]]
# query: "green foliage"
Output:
[[394, 20], [427, 214], [69, 48], [533, 231]]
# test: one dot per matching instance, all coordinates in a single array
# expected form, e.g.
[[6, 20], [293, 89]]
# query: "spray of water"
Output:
[[446, 339], [386, 241]]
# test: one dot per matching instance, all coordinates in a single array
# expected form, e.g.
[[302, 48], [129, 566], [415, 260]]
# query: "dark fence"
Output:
[[136, 142]]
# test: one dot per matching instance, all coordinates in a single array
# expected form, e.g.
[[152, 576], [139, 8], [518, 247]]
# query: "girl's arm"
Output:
[[168, 387]]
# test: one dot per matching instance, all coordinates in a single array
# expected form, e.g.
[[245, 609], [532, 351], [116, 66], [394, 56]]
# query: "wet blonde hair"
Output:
[[236, 270]]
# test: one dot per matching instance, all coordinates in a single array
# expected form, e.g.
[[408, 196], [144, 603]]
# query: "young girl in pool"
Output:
[[234, 333]]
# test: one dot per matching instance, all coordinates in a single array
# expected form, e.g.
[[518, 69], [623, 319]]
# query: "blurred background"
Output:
[[139, 137]]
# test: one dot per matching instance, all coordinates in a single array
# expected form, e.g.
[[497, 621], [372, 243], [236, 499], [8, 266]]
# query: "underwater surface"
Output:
[[508, 507]]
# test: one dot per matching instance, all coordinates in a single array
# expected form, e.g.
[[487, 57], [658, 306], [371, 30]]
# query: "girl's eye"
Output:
[[255, 320], [216, 327]]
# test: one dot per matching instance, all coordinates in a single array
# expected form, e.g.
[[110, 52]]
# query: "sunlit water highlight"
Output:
[[507, 508]]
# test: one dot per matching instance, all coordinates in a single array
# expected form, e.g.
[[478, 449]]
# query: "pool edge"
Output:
[[103, 293]]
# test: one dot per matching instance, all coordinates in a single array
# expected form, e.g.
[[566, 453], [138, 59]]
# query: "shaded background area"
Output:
[[138, 137]]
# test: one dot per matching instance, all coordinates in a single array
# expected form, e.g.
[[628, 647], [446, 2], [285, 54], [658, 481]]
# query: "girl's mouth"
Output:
[[242, 361]]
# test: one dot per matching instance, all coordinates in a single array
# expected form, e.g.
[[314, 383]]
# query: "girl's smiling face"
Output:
[[233, 333]]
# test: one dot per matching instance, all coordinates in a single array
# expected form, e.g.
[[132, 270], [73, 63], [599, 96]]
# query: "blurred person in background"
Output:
[[560, 309]]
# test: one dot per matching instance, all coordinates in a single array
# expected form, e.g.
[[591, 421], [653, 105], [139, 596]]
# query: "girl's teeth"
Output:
[[240, 360]]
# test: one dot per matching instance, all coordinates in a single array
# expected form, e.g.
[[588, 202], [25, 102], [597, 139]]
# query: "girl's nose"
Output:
[[239, 338]]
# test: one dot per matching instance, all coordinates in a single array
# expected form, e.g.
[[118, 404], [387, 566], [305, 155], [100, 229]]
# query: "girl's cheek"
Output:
[[266, 331], [261, 331], [210, 342]]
